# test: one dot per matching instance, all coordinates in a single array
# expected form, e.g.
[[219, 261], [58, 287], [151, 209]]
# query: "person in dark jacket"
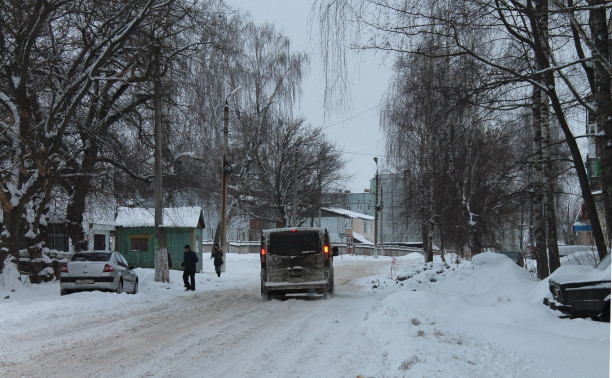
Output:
[[217, 254], [190, 259]]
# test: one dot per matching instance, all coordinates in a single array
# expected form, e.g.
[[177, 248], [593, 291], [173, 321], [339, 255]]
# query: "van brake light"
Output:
[[263, 257]]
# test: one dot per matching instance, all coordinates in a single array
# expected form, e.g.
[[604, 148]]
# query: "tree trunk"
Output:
[[430, 205], [547, 166], [538, 195], [603, 101], [37, 210], [78, 199], [548, 82], [10, 235], [442, 242]]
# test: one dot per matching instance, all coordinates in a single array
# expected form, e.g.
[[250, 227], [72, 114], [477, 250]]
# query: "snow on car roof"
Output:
[[183, 217]]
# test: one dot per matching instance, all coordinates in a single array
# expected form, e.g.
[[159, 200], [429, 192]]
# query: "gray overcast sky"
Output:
[[360, 136]]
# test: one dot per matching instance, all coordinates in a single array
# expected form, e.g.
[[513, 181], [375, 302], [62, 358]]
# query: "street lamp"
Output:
[[376, 211], [225, 171]]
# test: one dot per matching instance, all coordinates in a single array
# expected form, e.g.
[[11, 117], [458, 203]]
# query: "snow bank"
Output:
[[499, 307]]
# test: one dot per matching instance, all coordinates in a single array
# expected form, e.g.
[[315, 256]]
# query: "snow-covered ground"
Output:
[[473, 319]]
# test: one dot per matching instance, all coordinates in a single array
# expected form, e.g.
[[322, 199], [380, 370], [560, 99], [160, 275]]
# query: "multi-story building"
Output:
[[396, 226], [357, 202]]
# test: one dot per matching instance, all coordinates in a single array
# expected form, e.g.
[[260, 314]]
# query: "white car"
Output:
[[98, 270]]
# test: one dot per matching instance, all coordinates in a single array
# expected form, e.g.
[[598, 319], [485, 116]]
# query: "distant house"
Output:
[[99, 228], [135, 234], [337, 221]]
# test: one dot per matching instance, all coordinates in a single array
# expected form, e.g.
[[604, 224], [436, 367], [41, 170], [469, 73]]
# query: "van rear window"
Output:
[[294, 243]]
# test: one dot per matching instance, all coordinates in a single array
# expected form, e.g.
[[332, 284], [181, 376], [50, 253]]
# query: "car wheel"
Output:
[[64, 292], [605, 315], [120, 287], [264, 292], [135, 291]]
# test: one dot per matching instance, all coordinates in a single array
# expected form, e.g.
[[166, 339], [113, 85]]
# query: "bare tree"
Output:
[[49, 62], [513, 44]]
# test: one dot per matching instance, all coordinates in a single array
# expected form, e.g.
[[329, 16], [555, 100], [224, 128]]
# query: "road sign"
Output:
[[348, 232]]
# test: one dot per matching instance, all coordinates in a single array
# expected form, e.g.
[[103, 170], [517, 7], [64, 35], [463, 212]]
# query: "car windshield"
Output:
[[294, 243], [91, 256], [604, 263]]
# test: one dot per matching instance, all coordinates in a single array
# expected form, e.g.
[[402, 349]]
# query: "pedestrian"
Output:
[[190, 259], [169, 260], [217, 254]]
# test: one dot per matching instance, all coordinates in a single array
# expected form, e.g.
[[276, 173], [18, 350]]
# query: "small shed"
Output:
[[135, 232]]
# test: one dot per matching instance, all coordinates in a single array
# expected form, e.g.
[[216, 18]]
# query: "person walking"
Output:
[[217, 254], [190, 259]]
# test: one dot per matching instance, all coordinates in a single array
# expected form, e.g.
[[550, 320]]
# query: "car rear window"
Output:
[[91, 256], [294, 243]]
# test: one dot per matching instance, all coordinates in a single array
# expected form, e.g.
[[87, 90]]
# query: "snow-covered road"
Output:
[[226, 329]]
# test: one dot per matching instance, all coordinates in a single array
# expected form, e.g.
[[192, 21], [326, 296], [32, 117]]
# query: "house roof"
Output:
[[347, 213], [361, 239], [181, 217]]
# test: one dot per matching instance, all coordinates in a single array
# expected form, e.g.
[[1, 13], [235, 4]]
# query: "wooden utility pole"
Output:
[[161, 251], [376, 210]]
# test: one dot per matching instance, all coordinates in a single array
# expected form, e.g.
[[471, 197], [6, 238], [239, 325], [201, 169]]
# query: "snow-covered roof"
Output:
[[182, 217], [347, 213], [361, 239]]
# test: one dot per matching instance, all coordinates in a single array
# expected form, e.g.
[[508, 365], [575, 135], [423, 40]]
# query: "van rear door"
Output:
[[295, 256]]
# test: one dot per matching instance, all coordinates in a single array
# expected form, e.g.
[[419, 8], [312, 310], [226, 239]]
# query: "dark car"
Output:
[[296, 260], [587, 295], [517, 257]]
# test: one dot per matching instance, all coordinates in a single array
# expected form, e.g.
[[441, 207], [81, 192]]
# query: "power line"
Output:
[[352, 117], [359, 153]]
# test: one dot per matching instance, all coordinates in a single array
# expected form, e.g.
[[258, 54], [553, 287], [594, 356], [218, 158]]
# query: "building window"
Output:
[[139, 243], [99, 242]]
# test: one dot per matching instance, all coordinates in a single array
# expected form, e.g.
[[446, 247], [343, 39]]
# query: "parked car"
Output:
[[98, 270], [584, 295], [517, 257], [296, 260]]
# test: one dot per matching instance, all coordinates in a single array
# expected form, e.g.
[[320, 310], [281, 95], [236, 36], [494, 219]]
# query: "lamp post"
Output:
[[225, 171], [376, 211]]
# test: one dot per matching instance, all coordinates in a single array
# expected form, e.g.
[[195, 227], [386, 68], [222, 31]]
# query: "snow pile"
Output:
[[482, 318], [587, 257], [10, 278], [499, 307]]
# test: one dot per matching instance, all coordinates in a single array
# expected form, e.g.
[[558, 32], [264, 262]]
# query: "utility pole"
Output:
[[295, 184], [320, 200], [382, 222], [161, 251], [376, 211], [225, 172], [224, 169]]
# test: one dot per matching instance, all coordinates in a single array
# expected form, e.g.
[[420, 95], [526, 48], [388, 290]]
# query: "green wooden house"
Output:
[[135, 233]]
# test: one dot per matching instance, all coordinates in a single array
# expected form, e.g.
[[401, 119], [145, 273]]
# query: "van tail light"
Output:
[[108, 268], [263, 257], [65, 269], [326, 253]]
